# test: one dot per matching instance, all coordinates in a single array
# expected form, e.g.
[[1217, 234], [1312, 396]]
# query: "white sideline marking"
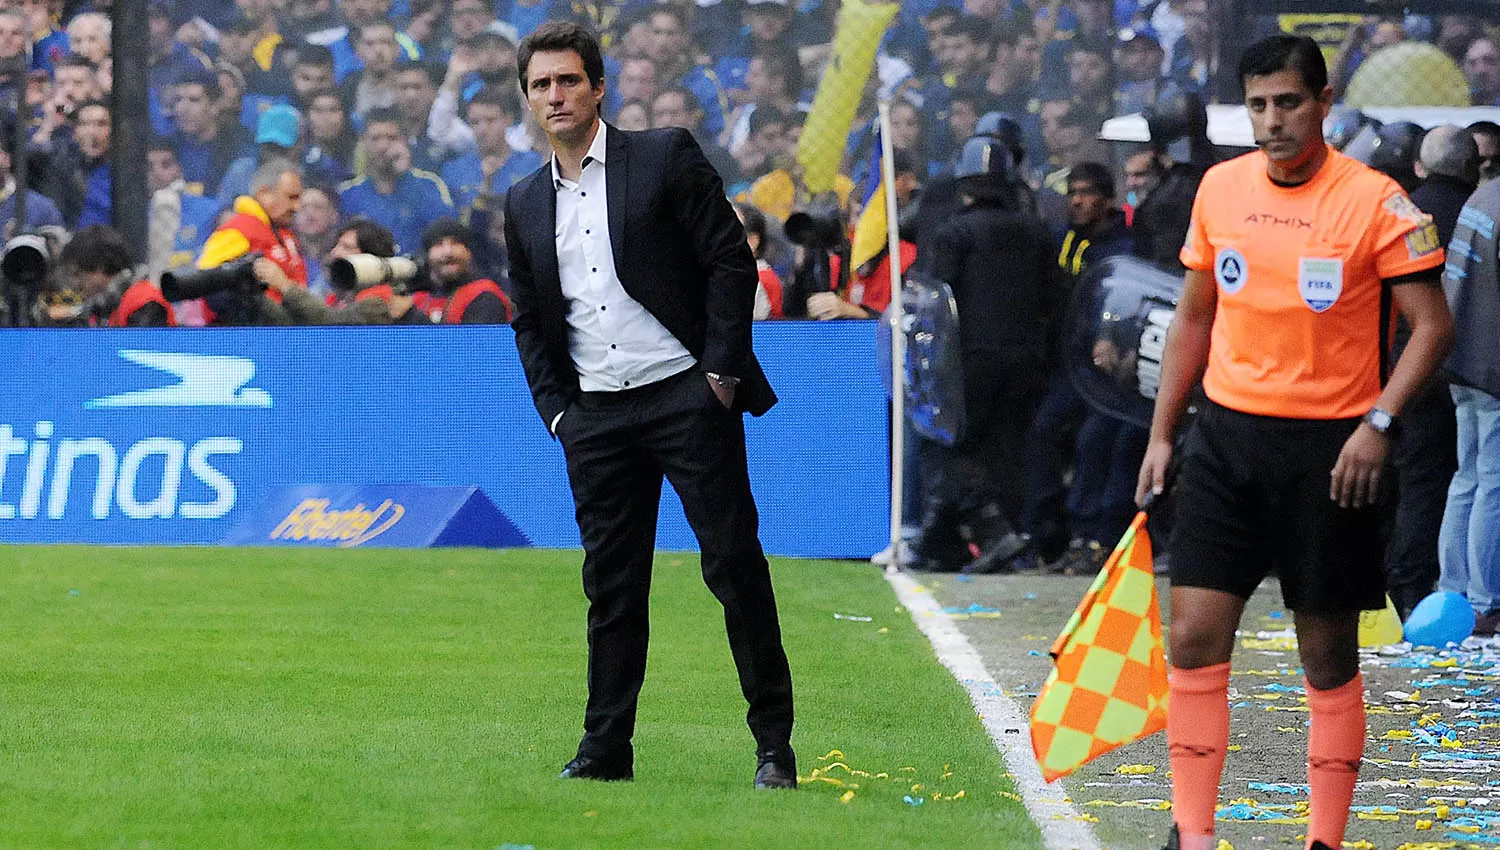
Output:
[[1061, 825]]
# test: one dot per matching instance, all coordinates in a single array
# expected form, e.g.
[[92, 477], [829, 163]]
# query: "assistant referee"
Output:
[[1295, 256]]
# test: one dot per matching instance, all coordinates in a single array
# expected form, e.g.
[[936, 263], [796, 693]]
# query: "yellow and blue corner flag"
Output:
[[1109, 683], [870, 236], [826, 132]]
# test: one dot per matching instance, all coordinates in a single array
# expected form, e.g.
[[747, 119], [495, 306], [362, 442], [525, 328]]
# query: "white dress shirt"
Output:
[[615, 343]]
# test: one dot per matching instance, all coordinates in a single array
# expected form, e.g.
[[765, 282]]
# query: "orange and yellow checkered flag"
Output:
[[1109, 685]]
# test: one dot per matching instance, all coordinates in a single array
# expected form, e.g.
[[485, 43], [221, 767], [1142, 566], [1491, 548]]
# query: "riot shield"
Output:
[[1117, 331], [934, 358]]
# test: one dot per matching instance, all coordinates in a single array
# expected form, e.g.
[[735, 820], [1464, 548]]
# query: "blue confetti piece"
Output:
[[913, 801], [75, 593], [1035, 652], [1277, 615], [1279, 787], [1030, 596], [963, 579]]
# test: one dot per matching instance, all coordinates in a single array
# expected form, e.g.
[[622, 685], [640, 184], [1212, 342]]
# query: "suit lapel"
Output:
[[544, 232], [617, 181]]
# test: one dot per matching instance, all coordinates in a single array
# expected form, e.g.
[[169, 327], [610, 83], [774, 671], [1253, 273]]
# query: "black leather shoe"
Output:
[[776, 769], [588, 767]]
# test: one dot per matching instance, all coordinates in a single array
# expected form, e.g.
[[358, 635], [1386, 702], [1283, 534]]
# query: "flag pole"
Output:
[[898, 334]]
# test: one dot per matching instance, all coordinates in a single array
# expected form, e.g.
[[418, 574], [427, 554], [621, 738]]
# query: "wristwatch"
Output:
[[728, 382], [1380, 420]]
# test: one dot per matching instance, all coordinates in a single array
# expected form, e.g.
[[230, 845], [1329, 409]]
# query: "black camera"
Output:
[[405, 274], [187, 283], [819, 230]]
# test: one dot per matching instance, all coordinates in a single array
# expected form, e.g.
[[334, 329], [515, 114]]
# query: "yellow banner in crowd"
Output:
[[821, 148]]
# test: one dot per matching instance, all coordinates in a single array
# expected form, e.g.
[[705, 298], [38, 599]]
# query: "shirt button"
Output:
[[627, 383], [585, 194], [603, 307], [586, 231], [594, 270], [613, 346]]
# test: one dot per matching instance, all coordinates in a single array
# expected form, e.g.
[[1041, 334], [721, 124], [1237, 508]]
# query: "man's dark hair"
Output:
[[161, 143], [764, 116], [972, 27], [382, 115], [942, 17], [435, 71], [781, 61], [499, 97], [667, 8], [1286, 53], [317, 55], [563, 35], [447, 228], [1011, 32], [1103, 50], [1485, 128], [974, 96], [201, 77], [370, 237], [902, 163], [97, 248], [73, 60], [1094, 174]]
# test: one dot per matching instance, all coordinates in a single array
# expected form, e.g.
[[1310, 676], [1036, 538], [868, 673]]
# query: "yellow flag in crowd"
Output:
[[870, 233], [821, 148], [1109, 685]]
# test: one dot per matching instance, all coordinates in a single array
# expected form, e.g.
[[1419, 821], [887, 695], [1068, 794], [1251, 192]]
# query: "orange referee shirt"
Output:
[[1296, 331]]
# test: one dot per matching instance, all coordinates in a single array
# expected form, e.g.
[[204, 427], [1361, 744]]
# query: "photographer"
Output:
[[96, 264], [382, 302], [457, 297], [261, 224]]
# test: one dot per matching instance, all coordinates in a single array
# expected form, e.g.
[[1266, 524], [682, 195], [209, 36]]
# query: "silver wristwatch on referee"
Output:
[[1382, 421]]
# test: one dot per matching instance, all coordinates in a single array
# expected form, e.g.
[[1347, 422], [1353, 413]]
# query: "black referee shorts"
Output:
[[1252, 499]]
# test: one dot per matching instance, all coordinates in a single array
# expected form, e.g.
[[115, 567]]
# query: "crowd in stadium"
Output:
[[308, 131]]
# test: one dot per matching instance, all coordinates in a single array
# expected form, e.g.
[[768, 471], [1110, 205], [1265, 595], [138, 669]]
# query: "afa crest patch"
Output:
[[1422, 241]]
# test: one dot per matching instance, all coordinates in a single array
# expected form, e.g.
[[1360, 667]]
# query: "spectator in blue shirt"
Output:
[[360, 14], [205, 145], [187, 217], [416, 90], [374, 85], [493, 167], [401, 199], [672, 51], [91, 137], [47, 44], [330, 140]]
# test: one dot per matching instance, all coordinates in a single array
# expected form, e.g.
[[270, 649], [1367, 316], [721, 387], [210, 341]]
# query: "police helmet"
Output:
[[1177, 114], [1343, 124], [985, 157], [1000, 125]]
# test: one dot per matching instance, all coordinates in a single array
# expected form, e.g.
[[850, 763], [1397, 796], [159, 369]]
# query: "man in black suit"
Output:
[[634, 288]]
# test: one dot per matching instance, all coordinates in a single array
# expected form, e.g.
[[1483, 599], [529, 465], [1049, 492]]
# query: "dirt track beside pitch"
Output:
[[1430, 758]]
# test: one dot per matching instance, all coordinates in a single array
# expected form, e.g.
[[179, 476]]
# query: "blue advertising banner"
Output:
[[172, 436]]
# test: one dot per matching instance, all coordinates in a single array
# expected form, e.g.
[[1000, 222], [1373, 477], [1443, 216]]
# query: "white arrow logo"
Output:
[[204, 380]]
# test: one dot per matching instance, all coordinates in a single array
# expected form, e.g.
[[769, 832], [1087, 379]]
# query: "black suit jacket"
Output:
[[679, 250]]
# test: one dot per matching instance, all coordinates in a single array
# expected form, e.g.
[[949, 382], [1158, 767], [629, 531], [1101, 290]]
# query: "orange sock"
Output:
[[1334, 746], [1197, 736]]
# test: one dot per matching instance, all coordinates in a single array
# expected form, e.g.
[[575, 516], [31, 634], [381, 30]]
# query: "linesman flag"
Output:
[[821, 148], [870, 236], [1109, 685]]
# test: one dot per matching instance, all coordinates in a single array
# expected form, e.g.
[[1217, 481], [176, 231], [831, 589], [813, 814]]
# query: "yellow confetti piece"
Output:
[[1377, 816], [1429, 718], [1397, 735], [1445, 662], [916, 787], [1267, 696], [591, 814], [1451, 743], [1223, 845], [1135, 769], [1359, 845], [1424, 824], [882, 631], [1234, 748], [846, 796], [1428, 845]]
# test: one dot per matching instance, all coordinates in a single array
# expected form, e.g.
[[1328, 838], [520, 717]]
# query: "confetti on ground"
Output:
[[853, 618]]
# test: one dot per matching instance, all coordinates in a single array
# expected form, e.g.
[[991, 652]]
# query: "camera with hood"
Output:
[[26, 277], [405, 274], [821, 232]]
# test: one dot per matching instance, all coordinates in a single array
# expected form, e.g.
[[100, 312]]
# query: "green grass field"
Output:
[[210, 698]]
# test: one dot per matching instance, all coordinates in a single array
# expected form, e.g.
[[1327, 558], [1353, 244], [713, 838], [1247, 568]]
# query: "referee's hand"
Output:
[[1356, 477], [1153, 477]]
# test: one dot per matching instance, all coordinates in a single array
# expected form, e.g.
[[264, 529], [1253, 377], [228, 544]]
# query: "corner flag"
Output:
[[1109, 685]]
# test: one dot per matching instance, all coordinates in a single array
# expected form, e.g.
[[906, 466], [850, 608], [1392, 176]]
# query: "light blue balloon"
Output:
[[1440, 619]]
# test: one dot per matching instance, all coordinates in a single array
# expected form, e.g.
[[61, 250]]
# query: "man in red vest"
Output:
[[261, 224], [457, 297]]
